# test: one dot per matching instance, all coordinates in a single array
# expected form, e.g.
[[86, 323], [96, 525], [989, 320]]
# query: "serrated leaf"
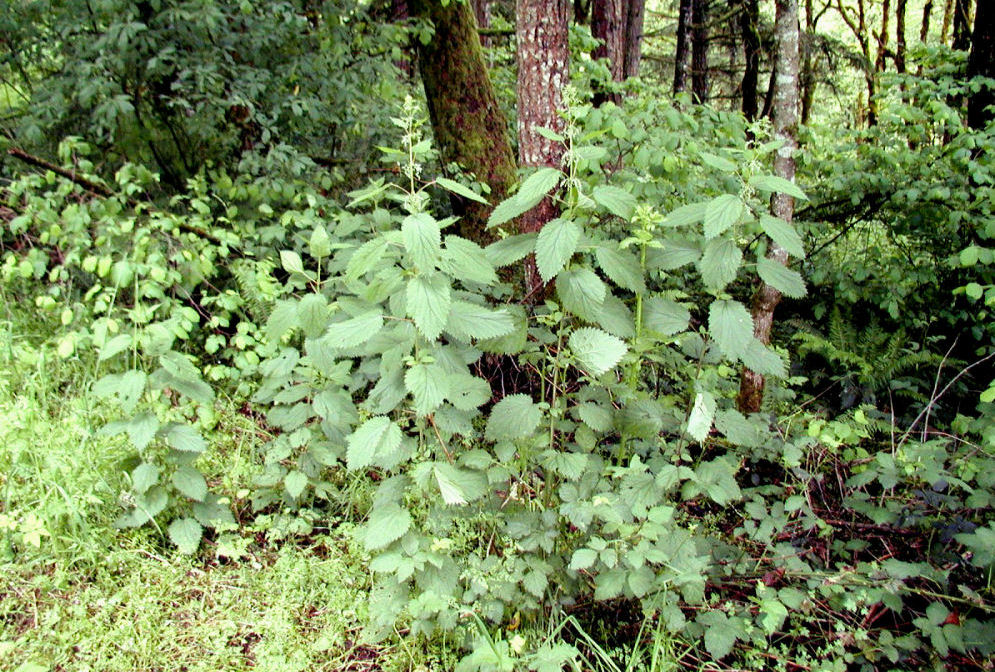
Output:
[[291, 261], [581, 292], [609, 584], [281, 320], [731, 327], [354, 331], [144, 476], [717, 479], [702, 414], [114, 346], [184, 377], [677, 251], [386, 524], [773, 183], [320, 245], [468, 392], [554, 657], [428, 385], [622, 268], [376, 437], [470, 321], [422, 240], [721, 213], [784, 234], [719, 263], [533, 190], [736, 427], [617, 201], [760, 359], [125, 388], [556, 243], [719, 638], [141, 430], [312, 315], [186, 534], [535, 583], [686, 215], [511, 249], [294, 483], [718, 162], [583, 558], [665, 316], [781, 278], [429, 303], [615, 317], [513, 417], [459, 486], [184, 438], [460, 190], [190, 482], [365, 258], [595, 350], [468, 262]]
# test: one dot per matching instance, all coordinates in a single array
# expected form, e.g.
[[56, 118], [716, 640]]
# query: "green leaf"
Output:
[[717, 479], [186, 534], [702, 414], [511, 249], [141, 430], [760, 359], [386, 524], [721, 213], [144, 476], [429, 303], [281, 320], [184, 438], [617, 201], [184, 377], [556, 243], [312, 315], [291, 261], [422, 240], [320, 245], [736, 427], [783, 234], [295, 482], [468, 321], [719, 263], [428, 385], [468, 392], [125, 388], [677, 251], [772, 615], [595, 350], [468, 262], [533, 190], [731, 327], [376, 437], [365, 258], [718, 162], [686, 215], [622, 268], [190, 482], [459, 190], [781, 278], [583, 558], [581, 291], [115, 346], [665, 316], [459, 486], [773, 183], [354, 331], [513, 417], [615, 317], [719, 636]]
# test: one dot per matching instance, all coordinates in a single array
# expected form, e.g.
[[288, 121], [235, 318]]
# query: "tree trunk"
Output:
[[751, 390], [879, 64], [543, 69], [948, 15], [962, 24], [466, 119], [900, 36], [982, 64], [582, 10], [482, 12], [635, 16], [927, 13], [699, 51], [749, 21], [682, 53], [807, 75], [608, 26]]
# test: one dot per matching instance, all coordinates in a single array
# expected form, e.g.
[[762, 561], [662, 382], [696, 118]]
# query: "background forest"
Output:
[[539, 335]]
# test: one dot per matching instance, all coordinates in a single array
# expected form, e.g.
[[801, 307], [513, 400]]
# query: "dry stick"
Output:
[[936, 386]]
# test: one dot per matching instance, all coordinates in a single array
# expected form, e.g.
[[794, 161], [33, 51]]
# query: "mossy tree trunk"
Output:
[[982, 64]]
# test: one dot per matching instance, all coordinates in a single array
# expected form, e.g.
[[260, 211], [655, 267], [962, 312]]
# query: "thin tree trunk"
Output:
[[635, 17], [751, 389], [543, 70], [749, 21], [879, 64], [683, 53], [607, 25], [948, 16], [900, 36], [981, 63], [699, 51], [962, 24], [466, 119], [482, 12], [582, 10], [927, 13], [808, 72]]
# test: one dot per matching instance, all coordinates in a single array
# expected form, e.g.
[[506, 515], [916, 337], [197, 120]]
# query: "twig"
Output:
[[936, 385]]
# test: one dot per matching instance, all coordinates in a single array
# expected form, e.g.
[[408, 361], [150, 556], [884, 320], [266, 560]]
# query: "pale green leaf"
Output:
[[721, 213], [513, 417], [665, 316], [144, 476], [320, 245], [354, 331], [556, 243], [184, 438], [468, 392], [386, 524], [376, 437], [428, 385], [718, 162], [617, 201], [422, 240], [470, 321], [781, 278], [186, 534], [366, 258], [686, 215], [731, 327], [460, 190], [459, 486], [428, 303], [760, 359], [538, 184], [115, 346], [621, 267], [702, 414], [595, 350], [784, 234], [281, 320], [125, 388], [719, 263], [312, 315], [677, 251], [295, 482], [466, 261], [581, 292], [583, 558], [190, 482], [511, 249], [773, 183], [291, 261]]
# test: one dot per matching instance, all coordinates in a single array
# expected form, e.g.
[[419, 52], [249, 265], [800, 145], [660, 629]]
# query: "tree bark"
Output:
[[751, 390], [635, 16], [962, 24], [608, 26], [948, 16], [482, 12], [682, 53], [900, 36], [981, 63], [807, 75], [699, 51], [543, 69], [467, 122], [749, 21], [879, 64]]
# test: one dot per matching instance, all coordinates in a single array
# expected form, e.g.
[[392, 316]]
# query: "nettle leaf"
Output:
[[281, 320], [617, 201], [556, 243], [465, 260], [312, 315], [731, 327], [186, 534], [374, 438], [702, 414], [320, 244], [677, 251], [115, 346], [721, 213], [718, 162], [459, 486], [141, 430], [428, 385], [354, 331], [469, 321], [781, 278], [583, 558], [596, 350], [622, 268], [125, 388], [511, 249], [686, 215], [615, 317], [190, 482], [144, 476], [736, 427], [594, 416], [460, 190], [179, 373], [514, 417], [665, 316], [719, 263], [366, 258], [422, 239], [717, 479], [533, 190], [720, 635], [387, 523], [291, 261], [784, 234], [773, 183], [184, 438], [429, 303], [582, 292], [760, 359], [468, 392]]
